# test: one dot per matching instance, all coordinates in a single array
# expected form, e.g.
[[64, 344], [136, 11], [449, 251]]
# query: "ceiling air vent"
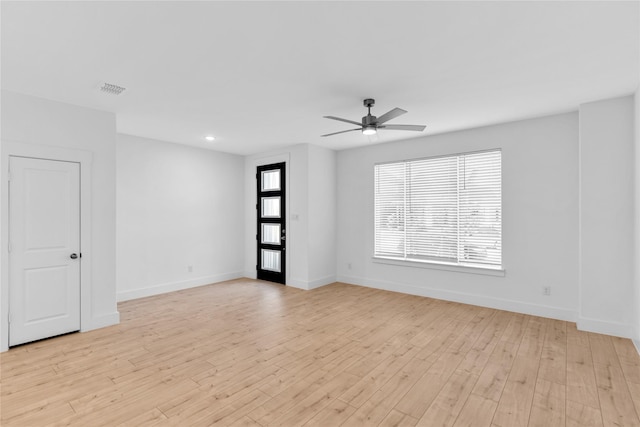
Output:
[[111, 89]]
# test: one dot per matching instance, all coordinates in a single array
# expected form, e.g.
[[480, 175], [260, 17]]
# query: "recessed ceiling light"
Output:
[[210, 138]]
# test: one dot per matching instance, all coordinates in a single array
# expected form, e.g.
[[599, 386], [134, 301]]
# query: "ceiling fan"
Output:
[[370, 124]]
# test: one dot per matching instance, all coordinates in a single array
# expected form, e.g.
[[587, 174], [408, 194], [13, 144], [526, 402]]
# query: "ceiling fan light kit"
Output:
[[370, 124], [369, 130]]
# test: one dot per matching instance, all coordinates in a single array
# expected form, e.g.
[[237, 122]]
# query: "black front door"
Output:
[[271, 233]]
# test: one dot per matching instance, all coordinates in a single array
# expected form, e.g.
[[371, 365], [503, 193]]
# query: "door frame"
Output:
[[46, 152], [251, 254]]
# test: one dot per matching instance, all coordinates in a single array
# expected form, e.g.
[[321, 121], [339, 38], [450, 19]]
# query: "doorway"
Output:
[[271, 213], [44, 248]]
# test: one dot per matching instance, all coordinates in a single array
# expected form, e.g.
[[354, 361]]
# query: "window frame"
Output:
[[467, 267]]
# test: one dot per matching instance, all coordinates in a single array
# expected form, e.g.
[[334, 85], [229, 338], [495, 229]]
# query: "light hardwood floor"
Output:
[[254, 353]]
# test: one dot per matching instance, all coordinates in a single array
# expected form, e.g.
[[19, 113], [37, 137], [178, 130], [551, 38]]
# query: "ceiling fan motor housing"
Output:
[[369, 120]]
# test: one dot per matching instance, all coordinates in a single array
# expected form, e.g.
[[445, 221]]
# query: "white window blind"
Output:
[[444, 209]]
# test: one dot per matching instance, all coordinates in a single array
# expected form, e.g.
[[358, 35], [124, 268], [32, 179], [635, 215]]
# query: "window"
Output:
[[441, 209]]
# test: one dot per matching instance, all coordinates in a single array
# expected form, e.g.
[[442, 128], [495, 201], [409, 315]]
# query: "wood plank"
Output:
[[517, 397], [449, 403], [429, 386], [282, 403], [128, 407], [634, 390], [316, 401], [616, 403], [625, 349], [477, 357], [553, 360], [514, 330], [377, 377], [398, 419], [576, 337], [376, 409], [533, 338], [39, 415], [494, 376], [548, 407], [235, 410], [602, 349], [581, 380], [333, 414], [579, 415], [477, 412], [154, 416], [245, 422]]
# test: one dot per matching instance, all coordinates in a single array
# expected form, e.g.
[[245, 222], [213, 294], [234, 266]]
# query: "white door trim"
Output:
[[85, 158]]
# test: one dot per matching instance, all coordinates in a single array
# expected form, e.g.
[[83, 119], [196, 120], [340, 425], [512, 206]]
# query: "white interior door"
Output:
[[44, 257]]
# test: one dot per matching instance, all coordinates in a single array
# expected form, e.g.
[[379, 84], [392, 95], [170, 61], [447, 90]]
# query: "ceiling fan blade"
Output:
[[335, 133], [342, 120], [390, 115], [418, 128]]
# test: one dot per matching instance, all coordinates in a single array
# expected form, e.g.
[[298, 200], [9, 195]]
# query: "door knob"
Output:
[[73, 256]]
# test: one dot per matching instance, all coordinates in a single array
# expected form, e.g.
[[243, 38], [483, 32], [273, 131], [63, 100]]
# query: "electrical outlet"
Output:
[[190, 268], [546, 290]]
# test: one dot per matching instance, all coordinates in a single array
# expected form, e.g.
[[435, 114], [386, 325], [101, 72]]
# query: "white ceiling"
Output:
[[260, 75]]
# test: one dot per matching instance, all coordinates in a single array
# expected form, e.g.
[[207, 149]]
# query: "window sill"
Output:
[[484, 270]]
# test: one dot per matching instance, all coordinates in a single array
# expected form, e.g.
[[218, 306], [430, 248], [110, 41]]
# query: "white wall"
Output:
[[540, 218], [30, 120], [177, 206], [606, 216], [297, 273], [311, 212], [322, 216]]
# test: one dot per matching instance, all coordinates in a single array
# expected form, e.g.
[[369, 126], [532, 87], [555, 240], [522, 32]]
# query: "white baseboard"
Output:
[[102, 321], [603, 327], [327, 280], [176, 286], [297, 283], [313, 284], [479, 300], [637, 344]]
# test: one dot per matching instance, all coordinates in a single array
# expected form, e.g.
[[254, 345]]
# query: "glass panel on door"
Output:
[[270, 180], [271, 234], [271, 260], [271, 207]]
